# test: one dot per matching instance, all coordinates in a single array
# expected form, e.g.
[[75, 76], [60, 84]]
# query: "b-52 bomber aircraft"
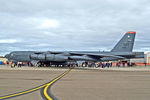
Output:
[[123, 50]]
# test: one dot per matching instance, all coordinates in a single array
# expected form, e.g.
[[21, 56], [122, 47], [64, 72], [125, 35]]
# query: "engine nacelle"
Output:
[[37, 56], [49, 57], [57, 58], [86, 58]]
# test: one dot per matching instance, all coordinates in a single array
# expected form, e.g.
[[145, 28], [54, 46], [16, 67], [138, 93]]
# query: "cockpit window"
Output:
[[11, 54]]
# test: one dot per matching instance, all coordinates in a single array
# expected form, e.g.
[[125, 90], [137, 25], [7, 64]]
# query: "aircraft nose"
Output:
[[7, 56]]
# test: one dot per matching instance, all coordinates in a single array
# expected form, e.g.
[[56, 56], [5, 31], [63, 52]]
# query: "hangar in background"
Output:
[[3, 60], [146, 59]]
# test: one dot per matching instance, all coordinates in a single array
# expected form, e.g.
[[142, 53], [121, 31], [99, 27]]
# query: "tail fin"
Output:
[[126, 43]]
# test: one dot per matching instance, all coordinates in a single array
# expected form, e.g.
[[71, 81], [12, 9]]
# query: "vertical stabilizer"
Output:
[[126, 43]]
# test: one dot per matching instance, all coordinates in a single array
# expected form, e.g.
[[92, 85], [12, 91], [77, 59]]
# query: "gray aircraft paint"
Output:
[[123, 50], [126, 43]]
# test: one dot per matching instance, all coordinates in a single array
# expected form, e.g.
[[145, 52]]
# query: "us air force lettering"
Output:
[[123, 50]]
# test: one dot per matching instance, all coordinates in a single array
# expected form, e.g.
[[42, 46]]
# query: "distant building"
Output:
[[3, 59], [146, 59]]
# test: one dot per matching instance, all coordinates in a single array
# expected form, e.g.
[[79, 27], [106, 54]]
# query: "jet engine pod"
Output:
[[57, 58], [86, 58], [37, 56]]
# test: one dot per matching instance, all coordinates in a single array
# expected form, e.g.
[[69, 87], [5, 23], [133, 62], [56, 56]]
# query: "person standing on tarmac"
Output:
[[107, 64], [111, 64], [12, 65], [123, 63], [103, 65], [145, 63], [19, 64]]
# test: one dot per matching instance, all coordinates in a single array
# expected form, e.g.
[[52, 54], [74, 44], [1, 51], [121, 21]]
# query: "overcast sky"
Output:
[[72, 24]]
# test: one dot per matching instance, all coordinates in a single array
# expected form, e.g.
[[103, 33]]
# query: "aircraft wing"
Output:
[[51, 52], [55, 52], [96, 55], [92, 55], [39, 52]]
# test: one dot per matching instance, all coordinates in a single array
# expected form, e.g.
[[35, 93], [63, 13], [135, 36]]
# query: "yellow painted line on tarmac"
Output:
[[17, 94], [45, 85]]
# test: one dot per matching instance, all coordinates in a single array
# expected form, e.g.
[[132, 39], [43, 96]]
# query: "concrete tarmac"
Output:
[[103, 85], [81, 84], [20, 79]]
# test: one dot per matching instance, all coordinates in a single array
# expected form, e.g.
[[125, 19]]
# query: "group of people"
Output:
[[19, 64], [107, 64], [100, 64], [128, 64], [103, 65], [87, 64]]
